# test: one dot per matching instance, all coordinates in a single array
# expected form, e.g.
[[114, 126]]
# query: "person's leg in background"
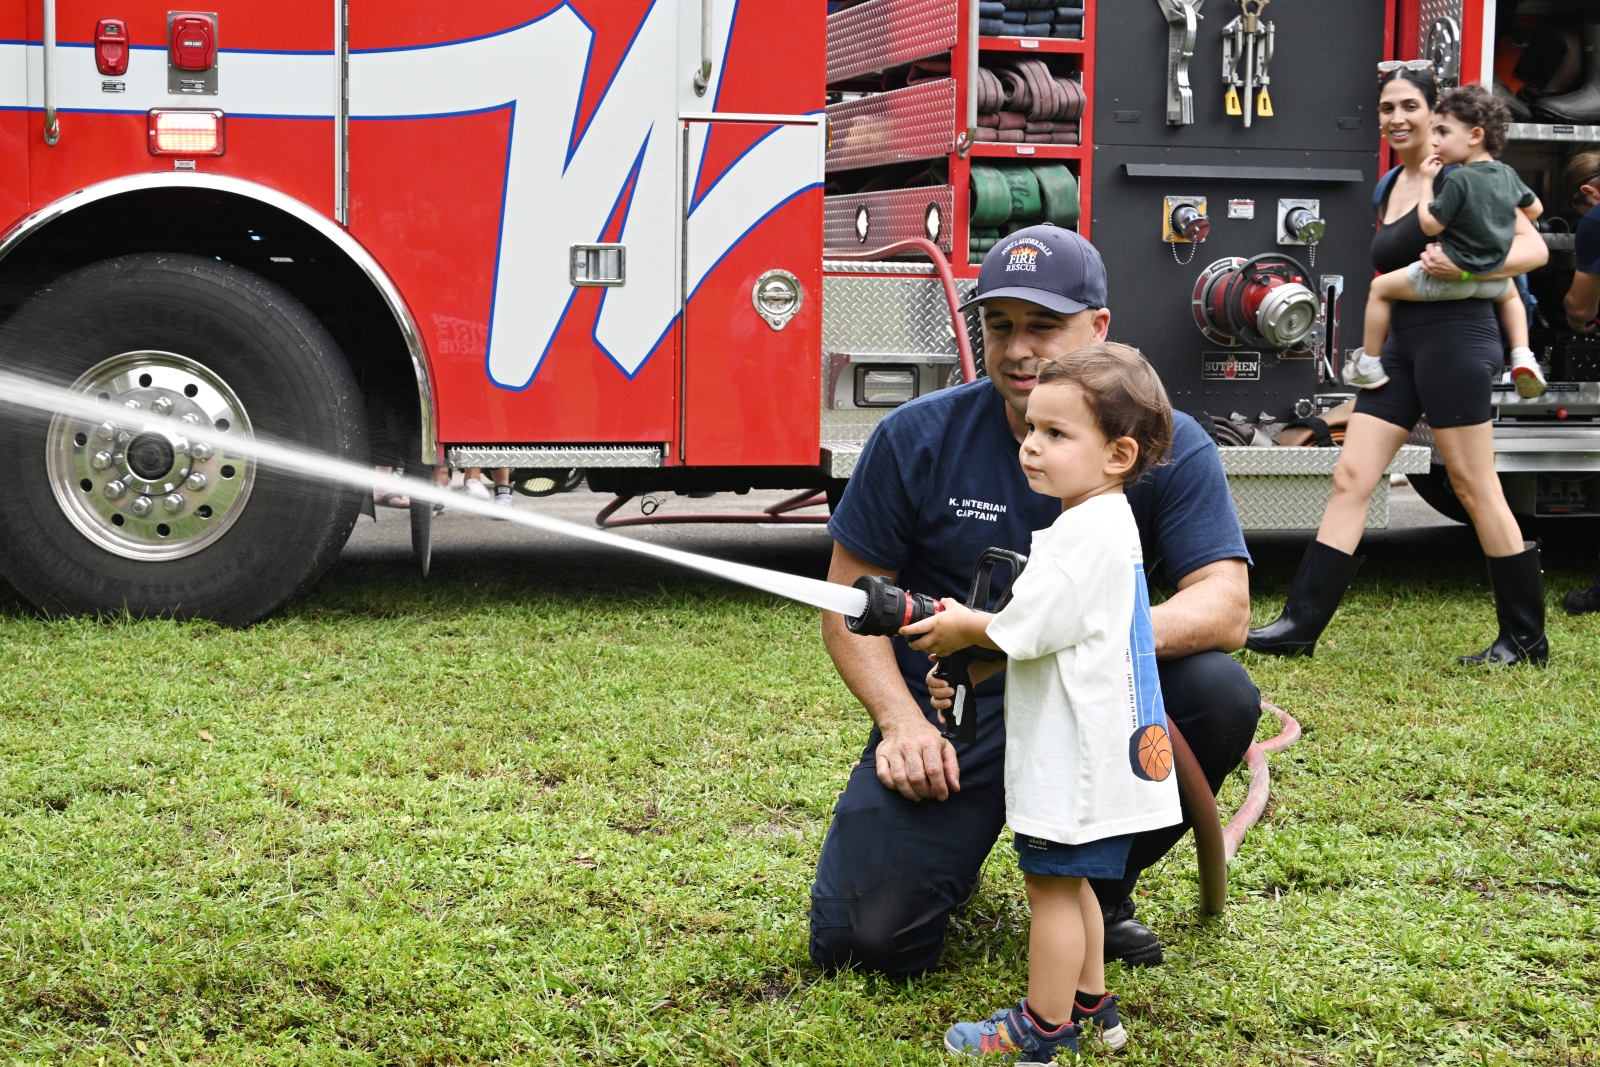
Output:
[[892, 870], [1468, 454], [472, 483], [1216, 705], [501, 476]]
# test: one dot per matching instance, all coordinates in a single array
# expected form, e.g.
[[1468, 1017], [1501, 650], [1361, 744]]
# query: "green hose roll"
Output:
[[991, 199], [1059, 191], [1024, 189]]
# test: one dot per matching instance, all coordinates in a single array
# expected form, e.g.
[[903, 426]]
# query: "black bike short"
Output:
[[1441, 359]]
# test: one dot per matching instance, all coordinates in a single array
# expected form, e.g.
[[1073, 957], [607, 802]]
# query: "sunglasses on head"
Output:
[[1389, 65]]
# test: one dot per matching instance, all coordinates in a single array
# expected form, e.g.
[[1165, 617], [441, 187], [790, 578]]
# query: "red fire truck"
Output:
[[660, 242]]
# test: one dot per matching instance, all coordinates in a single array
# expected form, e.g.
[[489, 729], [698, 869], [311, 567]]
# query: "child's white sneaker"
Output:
[[1362, 371], [1525, 374]]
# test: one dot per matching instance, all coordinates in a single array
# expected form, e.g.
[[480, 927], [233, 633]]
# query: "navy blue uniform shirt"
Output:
[[1587, 241], [940, 480]]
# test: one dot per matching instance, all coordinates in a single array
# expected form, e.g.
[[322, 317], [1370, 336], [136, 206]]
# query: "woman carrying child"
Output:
[[1439, 359], [1088, 760]]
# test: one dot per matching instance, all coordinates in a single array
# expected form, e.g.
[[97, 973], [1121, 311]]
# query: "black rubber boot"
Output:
[[1583, 104], [1128, 939], [1319, 585], [1519, 609]]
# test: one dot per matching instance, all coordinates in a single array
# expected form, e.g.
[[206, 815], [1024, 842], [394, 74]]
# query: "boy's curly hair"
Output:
[[1124, 393], [1474, 105]]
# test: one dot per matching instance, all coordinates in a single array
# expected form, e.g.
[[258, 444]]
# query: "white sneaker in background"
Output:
[[475, 489], [1525, 374], [1362, 371], [502, 495]]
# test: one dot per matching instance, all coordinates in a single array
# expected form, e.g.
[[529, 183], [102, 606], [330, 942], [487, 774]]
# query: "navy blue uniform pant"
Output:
[[892, 870]]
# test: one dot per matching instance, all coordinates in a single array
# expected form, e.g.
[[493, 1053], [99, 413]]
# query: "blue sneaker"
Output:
[[1101, 1023], [1011, 1036]]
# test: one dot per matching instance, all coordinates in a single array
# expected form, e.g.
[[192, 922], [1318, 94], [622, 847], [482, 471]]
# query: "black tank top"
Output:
[[1399, 244]]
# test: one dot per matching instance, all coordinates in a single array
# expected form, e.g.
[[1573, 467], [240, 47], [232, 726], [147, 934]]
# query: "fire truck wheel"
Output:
[[127, 513], [1435, 488]]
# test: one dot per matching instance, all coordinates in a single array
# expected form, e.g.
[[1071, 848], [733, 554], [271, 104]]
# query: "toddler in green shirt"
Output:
[[1474, 218]]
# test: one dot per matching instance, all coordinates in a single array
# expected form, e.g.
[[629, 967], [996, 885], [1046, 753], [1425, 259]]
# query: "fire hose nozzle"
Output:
[[889, 607]]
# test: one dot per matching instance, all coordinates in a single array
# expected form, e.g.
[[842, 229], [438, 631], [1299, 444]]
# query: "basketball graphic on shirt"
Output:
[[1150, 752], [1149, 749]]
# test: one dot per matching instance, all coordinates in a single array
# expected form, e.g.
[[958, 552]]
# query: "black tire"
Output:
[[281, 364], [1435, 488]]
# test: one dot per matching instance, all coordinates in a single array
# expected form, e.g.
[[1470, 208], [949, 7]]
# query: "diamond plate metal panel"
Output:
[[1547, 131], [841, 461], [1295, 501], [889, 314], [917, 122], [891, 215], [556, 456], [1411, 459], [887, 33], [887, 266]]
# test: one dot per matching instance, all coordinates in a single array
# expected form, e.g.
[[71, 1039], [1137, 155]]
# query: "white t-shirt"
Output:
[[1087, 751]]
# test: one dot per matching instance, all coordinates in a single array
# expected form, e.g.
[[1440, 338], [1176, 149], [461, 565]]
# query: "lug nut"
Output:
[[106, 431], [196, 482], [141, 505], [162, 405], [172, 503], [201, 451], [114, 490], [100, 460]]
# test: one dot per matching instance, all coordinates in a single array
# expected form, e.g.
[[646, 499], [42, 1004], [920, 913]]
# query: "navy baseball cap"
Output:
[[1047, 265]]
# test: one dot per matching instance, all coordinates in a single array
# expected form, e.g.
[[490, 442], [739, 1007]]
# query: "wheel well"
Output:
[[259, 237]]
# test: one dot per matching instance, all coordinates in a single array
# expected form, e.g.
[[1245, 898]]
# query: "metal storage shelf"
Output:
[[891, 215], [995, 150], [1047, 45], [1546, 131], [875, 36], [917, 122]]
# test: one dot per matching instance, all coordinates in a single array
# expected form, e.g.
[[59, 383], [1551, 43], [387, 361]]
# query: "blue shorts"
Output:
[[1105, 858]]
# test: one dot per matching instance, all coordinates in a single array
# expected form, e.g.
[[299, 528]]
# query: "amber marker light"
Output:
[[186, 132]]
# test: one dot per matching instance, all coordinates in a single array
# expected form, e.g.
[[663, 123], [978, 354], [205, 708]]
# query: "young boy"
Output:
[[1088, 760], [1475, 219]]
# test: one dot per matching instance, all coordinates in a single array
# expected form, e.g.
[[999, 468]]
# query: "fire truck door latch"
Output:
[[604, 264], [111, 46], [777, 297], [192, 53]]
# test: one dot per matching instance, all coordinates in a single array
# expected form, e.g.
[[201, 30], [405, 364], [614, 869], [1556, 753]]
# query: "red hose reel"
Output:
[[1263, 302]]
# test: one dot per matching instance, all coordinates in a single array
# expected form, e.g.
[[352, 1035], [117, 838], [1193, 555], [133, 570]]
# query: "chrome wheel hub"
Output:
[[142, 482]]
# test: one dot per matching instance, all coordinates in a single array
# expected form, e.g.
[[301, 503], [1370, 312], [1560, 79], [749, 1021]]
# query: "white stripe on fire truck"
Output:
[[249, 84]]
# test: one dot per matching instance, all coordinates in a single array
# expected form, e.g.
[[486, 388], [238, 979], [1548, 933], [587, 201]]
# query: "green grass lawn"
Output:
[[570, 816]]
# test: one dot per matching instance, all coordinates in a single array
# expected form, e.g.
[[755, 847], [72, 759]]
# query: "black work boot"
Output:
[[1128, 939], [1518, 608], [1319, 585], [1582, 601]]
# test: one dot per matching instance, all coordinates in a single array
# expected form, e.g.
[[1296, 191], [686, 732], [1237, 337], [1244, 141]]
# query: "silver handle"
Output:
[[702, 77], [972, 77], [52, 125]]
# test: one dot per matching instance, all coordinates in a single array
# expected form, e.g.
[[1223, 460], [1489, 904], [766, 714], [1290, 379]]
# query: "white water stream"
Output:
[[53, 399]]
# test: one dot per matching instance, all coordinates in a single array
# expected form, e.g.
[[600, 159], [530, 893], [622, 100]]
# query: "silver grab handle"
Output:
[[702, 77], [52, 125], [972, 78]]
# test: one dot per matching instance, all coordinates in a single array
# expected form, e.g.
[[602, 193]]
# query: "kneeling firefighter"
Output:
[[937, 484]]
